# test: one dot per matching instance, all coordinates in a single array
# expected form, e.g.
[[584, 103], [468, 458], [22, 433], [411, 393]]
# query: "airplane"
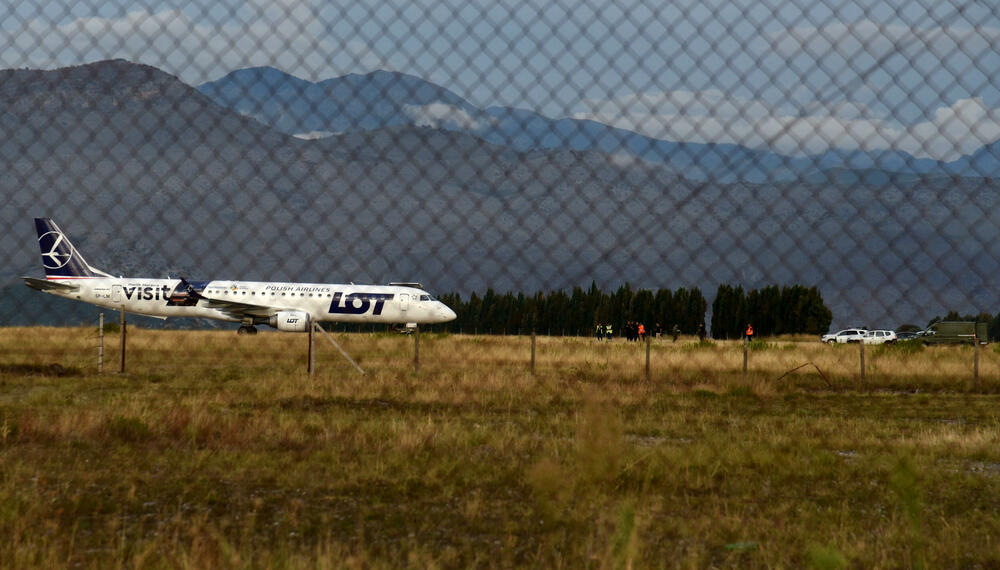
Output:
[[288, 307]]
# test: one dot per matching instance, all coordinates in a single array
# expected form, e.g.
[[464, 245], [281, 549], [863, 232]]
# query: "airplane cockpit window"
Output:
[[426, 298]]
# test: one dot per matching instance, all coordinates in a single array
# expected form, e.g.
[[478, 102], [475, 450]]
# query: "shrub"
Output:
[[129, 430], [701, 344], [912, 346]]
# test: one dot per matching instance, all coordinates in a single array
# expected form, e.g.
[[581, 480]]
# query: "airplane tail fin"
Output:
[[59, 258]]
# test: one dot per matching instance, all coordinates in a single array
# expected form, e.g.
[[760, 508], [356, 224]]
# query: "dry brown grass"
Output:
[[486, 362], [217, 451]]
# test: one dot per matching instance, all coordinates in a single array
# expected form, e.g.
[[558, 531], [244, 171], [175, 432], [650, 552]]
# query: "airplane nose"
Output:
[[446, 314]]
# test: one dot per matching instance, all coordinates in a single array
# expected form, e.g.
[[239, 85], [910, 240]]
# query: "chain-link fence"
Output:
[[519, 146]]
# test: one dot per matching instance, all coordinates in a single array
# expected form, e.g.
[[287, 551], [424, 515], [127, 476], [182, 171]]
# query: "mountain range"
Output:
[[407, 182], [383, 99]]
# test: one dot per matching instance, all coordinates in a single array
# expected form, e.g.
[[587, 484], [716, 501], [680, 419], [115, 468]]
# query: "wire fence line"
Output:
[[522, 146]]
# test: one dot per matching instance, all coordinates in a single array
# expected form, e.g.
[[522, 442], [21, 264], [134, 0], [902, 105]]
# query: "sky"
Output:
[[794, 76]]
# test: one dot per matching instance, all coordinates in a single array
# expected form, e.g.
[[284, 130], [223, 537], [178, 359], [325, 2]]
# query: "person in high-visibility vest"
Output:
[[749, 331]]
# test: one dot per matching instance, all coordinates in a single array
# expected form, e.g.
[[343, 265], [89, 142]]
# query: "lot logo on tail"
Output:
[[56, 250], [59, 258]]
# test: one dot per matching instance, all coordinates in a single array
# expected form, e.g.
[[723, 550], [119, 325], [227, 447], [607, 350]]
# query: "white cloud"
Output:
[[710, 116], [314, 135], [442, 115]]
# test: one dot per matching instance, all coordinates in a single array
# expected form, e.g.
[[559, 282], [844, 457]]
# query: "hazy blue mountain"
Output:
[[523, 129], [151, 177], [886, 160], [350, 103], [984, 163], [113, 104], [387, 99]]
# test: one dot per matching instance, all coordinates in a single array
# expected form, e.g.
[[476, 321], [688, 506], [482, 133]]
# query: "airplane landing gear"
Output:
[[246, 327]]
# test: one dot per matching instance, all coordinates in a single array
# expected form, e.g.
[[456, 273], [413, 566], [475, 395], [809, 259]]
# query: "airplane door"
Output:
[[404, 302], [116, 294]]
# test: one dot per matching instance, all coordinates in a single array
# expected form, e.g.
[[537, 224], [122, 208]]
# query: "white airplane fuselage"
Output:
[[323, 302], [285, 306]]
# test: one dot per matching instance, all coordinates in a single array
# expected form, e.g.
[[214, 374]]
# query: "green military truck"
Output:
[[954, 332]]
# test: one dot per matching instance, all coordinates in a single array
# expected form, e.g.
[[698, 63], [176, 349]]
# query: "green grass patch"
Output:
[[761, 345]]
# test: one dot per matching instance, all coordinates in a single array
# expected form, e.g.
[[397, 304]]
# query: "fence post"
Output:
[[861, 348], [746, 350], [975, 374], [100, 345], [532, 352], [416, 350], [312, 355], [649, 343], [121, 369]]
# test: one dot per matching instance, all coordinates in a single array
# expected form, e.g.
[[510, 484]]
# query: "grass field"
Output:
[[216, 450]]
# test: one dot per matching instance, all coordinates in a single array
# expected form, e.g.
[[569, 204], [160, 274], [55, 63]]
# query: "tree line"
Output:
[[576, 312], [771, 310]]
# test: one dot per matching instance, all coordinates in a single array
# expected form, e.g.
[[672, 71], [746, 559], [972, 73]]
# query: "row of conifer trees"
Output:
[[771, 310]]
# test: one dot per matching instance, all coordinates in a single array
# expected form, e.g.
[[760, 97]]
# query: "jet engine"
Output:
[[290, 321]]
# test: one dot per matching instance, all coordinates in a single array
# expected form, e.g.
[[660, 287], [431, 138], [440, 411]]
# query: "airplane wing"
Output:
[[46, 285], [232, 309], [236, 310]]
